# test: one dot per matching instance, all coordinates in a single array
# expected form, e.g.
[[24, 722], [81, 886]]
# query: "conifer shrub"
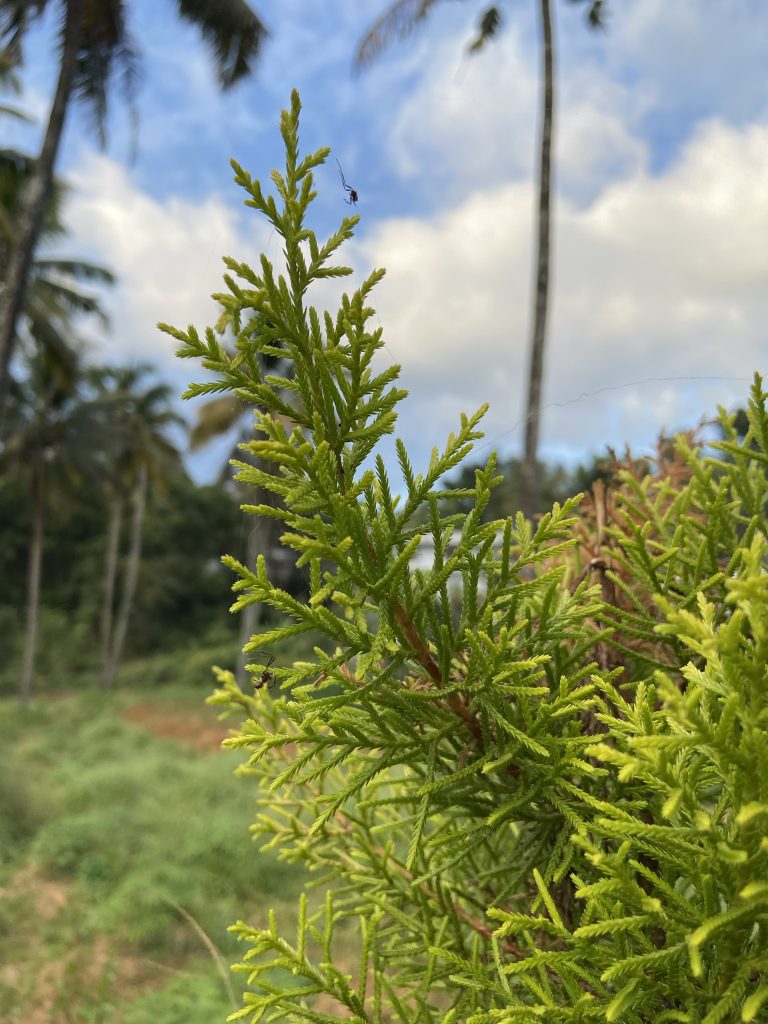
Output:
[[509, 826]]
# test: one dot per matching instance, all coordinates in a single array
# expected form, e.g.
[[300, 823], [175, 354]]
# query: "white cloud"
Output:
[[473, 120], [461, 119], [658, 277], [595, 129], [167, 257], [655, 276], [705, 57]]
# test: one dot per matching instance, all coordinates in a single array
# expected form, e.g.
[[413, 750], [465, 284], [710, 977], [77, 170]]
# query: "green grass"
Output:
[[122, 823], [187, 997]]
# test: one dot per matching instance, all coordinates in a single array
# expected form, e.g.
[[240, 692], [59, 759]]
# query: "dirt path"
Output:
[[192, 727]]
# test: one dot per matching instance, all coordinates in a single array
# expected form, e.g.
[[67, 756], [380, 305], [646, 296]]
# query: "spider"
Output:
[[267, 677], [352, 200]]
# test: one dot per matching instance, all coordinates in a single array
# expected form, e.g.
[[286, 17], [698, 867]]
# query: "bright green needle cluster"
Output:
[[510, 832]]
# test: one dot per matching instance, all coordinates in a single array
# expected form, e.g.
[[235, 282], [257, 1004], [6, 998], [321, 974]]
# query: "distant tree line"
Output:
[[102, 527], [107, 548]]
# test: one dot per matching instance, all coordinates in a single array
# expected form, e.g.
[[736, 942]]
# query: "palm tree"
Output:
[[529, 476], [398, 21], [8, 157], [50, 443], [51, 435], [94, 38], [55, 289], [136, 451]]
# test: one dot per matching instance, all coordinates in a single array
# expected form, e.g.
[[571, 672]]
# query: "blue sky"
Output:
[[661, 260]]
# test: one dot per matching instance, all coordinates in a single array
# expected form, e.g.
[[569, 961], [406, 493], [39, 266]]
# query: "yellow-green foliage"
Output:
[[513, 832]]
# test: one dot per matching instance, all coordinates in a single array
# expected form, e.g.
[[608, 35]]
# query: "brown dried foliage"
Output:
[[614, 508]]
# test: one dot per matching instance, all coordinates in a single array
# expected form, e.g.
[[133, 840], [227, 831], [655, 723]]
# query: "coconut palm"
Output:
[[399, 20], [50, 444], [94, 41], [56, 285], [50, 436], [137, 452], [8, 157]]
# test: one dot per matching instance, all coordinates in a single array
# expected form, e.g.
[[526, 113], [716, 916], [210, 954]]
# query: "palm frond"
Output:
[[80, 270], [106, 49], [233, 31], [48, 298], [596, 12], [217, 416], [15, 17], [8, 79], [154, 404], [16, 113], [397, 22], [56, 352], [15, 171], [490, 23], [138, 416]]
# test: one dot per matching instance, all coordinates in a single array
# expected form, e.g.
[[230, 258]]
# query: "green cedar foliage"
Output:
[[507, 831]]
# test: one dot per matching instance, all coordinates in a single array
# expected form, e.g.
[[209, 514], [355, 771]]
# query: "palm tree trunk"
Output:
[[261, 540], [529, 469], [110, 574], [250, 616], [33, 584], [131, 576], [38, 193]]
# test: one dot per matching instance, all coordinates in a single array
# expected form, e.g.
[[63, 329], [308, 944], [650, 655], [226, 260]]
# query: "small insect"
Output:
[[352, 200], [267, 676]]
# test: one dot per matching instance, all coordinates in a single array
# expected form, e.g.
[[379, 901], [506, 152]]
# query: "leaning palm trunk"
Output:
[[529, 474], [33, 583], [131, 577], [110, 575], [38, 193]]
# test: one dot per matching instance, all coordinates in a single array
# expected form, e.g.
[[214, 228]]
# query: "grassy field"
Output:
[[124, 855]]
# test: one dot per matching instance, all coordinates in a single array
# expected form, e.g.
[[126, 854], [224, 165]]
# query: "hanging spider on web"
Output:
[[352, 194], [267, 676]]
